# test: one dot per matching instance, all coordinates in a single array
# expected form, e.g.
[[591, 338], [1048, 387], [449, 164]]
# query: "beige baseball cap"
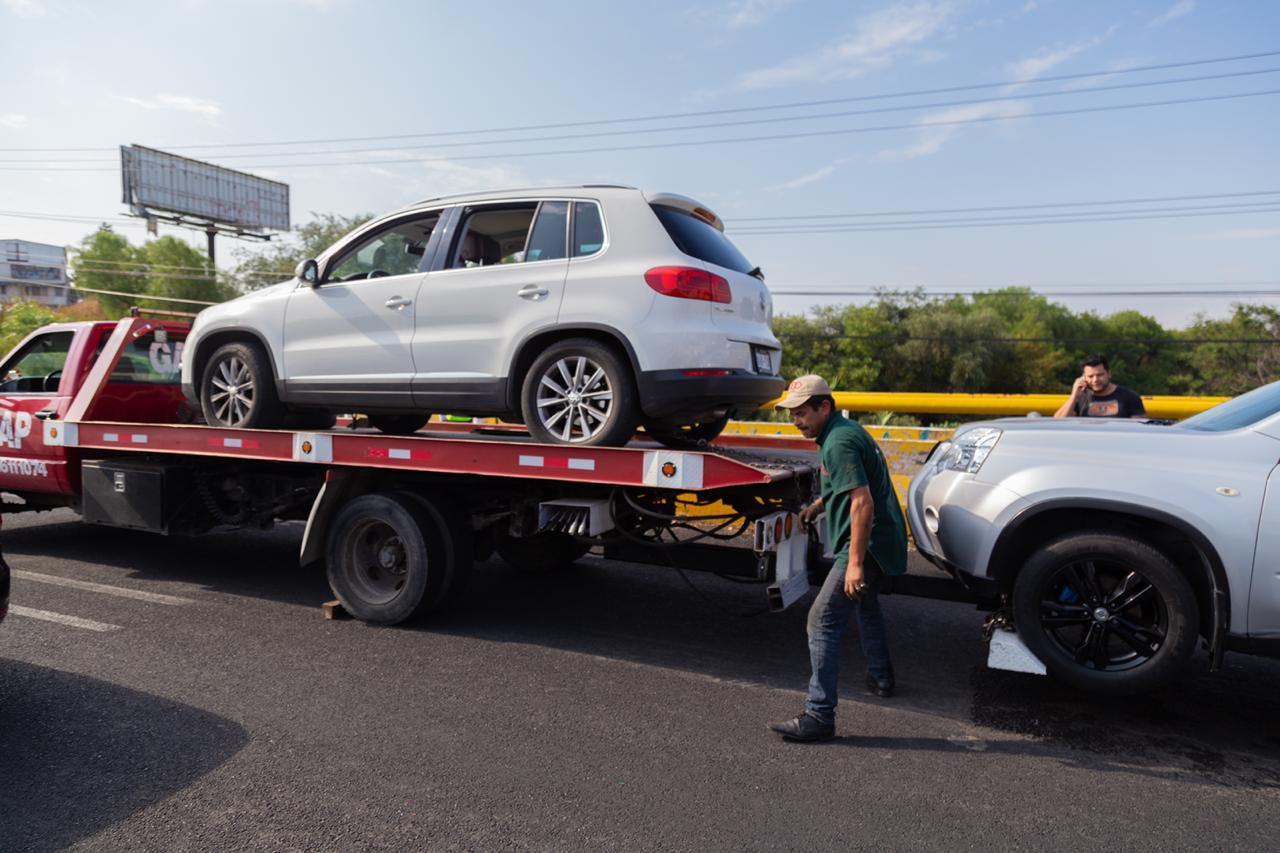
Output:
[[801, 389]]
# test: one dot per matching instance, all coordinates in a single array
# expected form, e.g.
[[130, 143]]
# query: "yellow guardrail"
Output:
[[1000, 405]]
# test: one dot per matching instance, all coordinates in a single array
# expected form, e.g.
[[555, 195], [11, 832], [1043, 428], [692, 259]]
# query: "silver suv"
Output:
[[1116, 544], [581, 311]]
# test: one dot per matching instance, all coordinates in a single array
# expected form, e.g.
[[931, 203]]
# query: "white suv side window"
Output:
[[397, 250], [512, 234], [588, 230]]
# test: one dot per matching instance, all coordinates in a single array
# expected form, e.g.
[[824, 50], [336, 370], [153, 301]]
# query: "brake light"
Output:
[[689, 283], [707, 372]]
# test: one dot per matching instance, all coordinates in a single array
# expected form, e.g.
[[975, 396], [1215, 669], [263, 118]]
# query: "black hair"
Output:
[[816, 401], [1095, 361]]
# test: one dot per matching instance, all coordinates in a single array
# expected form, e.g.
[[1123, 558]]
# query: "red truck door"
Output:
[[31, 380]]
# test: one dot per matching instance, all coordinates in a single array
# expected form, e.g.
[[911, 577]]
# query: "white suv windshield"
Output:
[[1238, 413]]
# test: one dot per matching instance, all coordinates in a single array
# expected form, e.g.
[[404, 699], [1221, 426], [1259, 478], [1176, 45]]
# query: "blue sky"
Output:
[[198, 72]]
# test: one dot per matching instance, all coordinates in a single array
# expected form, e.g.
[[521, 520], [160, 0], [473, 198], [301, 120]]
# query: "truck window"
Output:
[[37, 367], [146, 361]]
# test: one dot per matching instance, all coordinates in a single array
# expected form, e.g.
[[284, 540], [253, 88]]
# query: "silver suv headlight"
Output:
[[969, 450]]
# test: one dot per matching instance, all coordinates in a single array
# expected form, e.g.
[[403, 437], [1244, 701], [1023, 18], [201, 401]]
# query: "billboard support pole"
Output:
[[212, 233]]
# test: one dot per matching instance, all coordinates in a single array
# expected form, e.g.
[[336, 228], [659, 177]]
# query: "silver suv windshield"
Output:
[[1241, 412]]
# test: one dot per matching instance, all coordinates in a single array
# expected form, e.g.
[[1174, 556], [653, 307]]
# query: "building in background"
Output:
[[36, 272]]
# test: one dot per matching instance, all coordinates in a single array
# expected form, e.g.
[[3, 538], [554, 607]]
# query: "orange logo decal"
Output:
[[306, 447], [669, 469]]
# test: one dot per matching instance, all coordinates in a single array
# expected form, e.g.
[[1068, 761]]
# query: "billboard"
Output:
[[155, 181]]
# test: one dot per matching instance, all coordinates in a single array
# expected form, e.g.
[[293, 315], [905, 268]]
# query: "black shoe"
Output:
[[875, 688], [804, 728]]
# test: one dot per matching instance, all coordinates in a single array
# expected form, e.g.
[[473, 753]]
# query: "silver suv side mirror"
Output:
[[308, 271]]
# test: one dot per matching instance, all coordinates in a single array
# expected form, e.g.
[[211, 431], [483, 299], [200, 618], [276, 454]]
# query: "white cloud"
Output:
[[207, 109], [740, 14], [14, 120], [447, 176], [1243, 234], [877, 40], [1177, 10], [940, 127], [1049, 58], [805, 180], [25, 8]]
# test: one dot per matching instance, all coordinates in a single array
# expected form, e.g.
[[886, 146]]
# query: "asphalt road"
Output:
[[604, 707]]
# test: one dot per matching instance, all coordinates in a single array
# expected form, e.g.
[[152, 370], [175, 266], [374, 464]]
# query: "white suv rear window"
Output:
[[700, 239]]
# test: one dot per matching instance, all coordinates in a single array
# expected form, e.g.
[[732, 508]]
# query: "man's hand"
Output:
[[810, 513], [1079, 386], [855, 582]]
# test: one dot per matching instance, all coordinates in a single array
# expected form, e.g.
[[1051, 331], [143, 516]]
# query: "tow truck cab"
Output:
[[39, 379]]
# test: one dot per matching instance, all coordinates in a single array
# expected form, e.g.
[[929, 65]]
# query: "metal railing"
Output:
[[1001, 405]]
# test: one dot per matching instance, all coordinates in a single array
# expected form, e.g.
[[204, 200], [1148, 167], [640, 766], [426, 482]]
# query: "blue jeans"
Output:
[[828, 619]]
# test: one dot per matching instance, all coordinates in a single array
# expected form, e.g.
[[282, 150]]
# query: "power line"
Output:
[[1031, 294], [924, 125], [1236, 206], [716, 125], [1114, 342], [864, 228], [1148, 200], [24, 214], [700, 113]]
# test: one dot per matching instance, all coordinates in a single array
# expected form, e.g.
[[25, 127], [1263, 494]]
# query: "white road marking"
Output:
[[61, 618], [153, 597]]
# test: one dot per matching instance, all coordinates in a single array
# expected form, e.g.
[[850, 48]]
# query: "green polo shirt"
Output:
[[851, 459]]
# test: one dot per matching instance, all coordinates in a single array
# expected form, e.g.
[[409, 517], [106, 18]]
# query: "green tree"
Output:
[[107, 261], [176, 269], [277, 262], [19, 319], [1241, 352]]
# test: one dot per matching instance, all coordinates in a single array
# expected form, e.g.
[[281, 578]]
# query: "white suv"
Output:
[[581, 311]]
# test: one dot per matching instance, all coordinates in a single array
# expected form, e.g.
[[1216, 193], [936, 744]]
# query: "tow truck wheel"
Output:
[[541, 552], [387, 558], [238, 389], [1106, 613]]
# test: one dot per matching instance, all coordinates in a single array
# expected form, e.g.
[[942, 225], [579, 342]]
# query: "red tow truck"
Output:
[[92, 417]]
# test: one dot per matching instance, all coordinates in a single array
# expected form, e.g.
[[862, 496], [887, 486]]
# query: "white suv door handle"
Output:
[[395, 303], [532, 292]]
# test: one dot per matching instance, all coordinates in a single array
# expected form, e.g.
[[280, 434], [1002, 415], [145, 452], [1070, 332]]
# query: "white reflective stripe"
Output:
[[583, 464], [61, 618], [531, 461], [399, 453], [232, 442], [153, 597], [139, 438], [110, 436]]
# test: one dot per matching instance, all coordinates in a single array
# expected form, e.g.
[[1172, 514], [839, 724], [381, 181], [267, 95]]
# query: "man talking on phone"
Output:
[[1094, 395], [869, 539]]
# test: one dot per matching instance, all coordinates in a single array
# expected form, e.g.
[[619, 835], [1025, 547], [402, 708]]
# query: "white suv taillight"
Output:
[[689, 283]]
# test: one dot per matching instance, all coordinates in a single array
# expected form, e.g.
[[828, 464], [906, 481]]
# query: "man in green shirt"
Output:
[[869, 539]]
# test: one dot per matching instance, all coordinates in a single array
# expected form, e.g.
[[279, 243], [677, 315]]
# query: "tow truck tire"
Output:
[[459, 547], [399, 424], [1106, 613], [238, 389], [544, 405], [542, 552], [387, 558]]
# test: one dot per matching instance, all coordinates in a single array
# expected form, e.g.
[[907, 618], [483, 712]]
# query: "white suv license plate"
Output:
[[764, 361]]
